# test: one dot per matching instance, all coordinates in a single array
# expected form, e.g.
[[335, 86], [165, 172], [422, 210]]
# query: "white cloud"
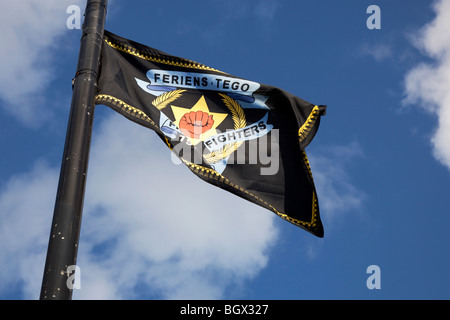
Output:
[[427, 84], [151, 226], [260, 13], [159, 226], [29, 29], [26, 206], [337, 193], [339, 197], [379, 52], [266, 9], [147, 224]]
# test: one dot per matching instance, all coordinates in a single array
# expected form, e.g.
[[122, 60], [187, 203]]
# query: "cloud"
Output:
[[266, 9], [379, 52], [29, 29], [153, 224], [337, 193], [260, 14], [428, 83], [339, 197], [26, 206], [150, 228]]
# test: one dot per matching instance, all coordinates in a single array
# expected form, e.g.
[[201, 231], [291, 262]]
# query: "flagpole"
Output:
[[66, 223]]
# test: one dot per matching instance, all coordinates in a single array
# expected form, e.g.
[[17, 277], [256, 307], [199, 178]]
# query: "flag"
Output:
[[240, 135]]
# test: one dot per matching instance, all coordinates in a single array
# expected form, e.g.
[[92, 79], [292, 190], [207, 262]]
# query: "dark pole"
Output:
[[65, 229]]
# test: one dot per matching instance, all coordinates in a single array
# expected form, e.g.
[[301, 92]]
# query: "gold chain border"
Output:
[[185, 63], [309, 123], [124, 107], [212, 174]]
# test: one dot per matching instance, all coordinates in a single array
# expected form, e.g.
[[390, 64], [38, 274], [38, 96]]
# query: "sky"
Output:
[[152, 230]]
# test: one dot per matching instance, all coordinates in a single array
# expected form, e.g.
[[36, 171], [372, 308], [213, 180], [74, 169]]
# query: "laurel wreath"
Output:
[[163, 100], [237, 114]]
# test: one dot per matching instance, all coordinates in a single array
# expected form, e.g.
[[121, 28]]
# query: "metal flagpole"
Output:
[[65, 228]]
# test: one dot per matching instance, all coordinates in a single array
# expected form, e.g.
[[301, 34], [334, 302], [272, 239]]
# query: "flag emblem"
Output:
[[188, 116]]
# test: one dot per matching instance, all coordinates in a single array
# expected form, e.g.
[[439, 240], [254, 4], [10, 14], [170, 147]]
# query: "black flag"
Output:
[[240, 135]]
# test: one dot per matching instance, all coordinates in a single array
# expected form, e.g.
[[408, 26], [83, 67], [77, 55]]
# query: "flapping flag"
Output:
[[242, 136]]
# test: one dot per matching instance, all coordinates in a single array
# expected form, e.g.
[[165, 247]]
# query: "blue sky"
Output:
[[380, 160]]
